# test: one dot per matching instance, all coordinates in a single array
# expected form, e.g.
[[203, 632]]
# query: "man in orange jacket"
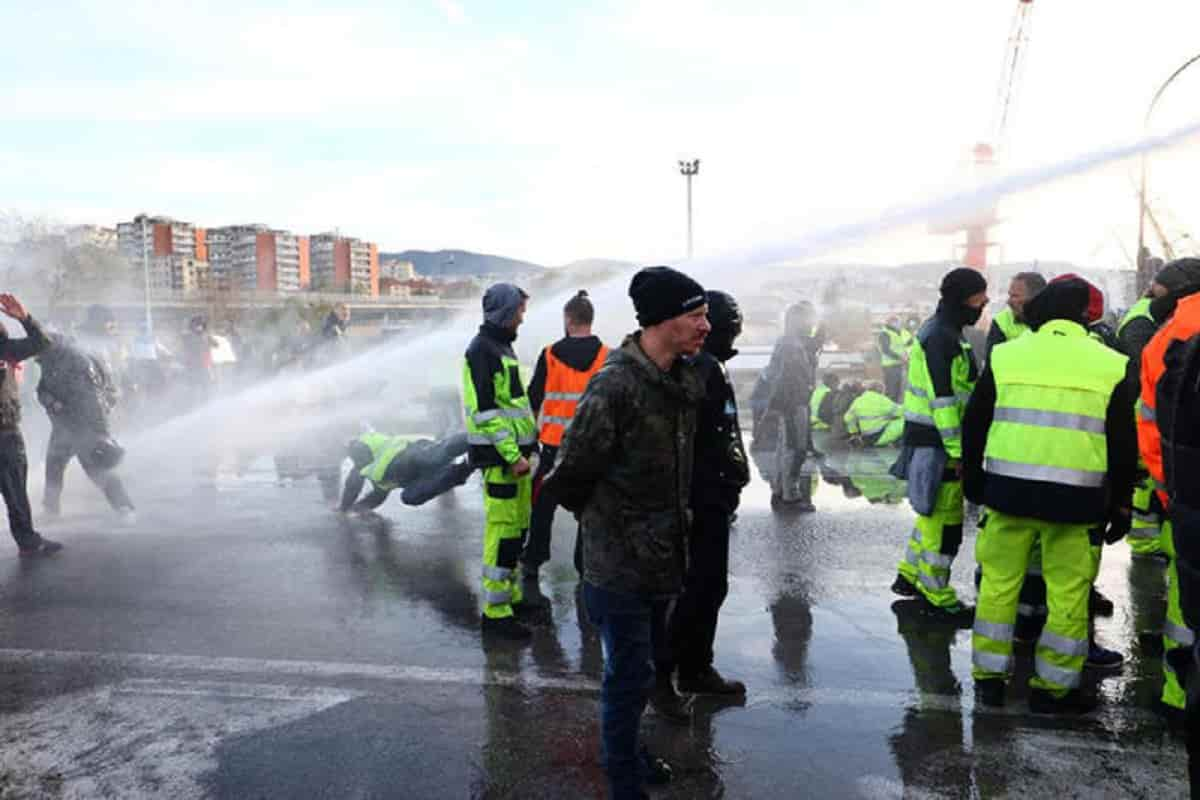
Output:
[[1178, 314]]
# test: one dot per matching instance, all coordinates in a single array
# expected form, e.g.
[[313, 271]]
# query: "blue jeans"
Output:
[[625, 622]]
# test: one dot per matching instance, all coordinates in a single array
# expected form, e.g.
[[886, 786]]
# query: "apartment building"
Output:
[[176, 252], [257, 258], [344, 264], [96, 236]]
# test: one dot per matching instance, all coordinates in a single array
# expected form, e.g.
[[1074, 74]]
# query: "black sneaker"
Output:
[[655, 771], [1103, 658], [45, 547], [902, 587], [668, 703], [1073, 702], [1100, 605], [990, 692], [709, 681], [505, 628]]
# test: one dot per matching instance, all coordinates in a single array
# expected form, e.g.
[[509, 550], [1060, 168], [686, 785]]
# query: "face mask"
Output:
[[972, 315]]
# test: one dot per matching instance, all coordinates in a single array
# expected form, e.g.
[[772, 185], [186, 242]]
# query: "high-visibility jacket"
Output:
[[384, 449], [1139, 309], [895, 340], [564, 387], [1184, 324], [1007, 322], [1053, 389], [907, 338], [872, 415], [814, 407], [500, 424], [923, 405]]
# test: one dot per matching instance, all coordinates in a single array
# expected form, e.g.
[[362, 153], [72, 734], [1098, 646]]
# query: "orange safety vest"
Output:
[[1183, 324], [564, 387]]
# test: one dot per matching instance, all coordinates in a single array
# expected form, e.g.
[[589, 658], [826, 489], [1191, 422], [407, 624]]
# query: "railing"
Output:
[[268, 298]]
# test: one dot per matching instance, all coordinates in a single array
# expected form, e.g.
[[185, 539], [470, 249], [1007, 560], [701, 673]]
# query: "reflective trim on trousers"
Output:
[[996, 631], [1061, 420], [1062, 645], [913, 416], [1179, 633], [496, 573], [497, 598], [933, 582], [949, 433], [1030, 610], [1041, 472], [1055, 674], [991, 662], [1144, 533], [939, 560], [911, 556]]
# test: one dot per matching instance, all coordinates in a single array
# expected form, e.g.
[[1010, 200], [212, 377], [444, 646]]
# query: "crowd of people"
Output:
[[1062, 437]]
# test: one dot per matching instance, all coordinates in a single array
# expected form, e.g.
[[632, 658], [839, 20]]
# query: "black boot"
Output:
[[1073, 702], [902, 587], [708, 681], [667, 702], [990, 692], [505, 628]]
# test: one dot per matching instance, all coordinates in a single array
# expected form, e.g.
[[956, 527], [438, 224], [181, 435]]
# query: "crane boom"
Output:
[[1011, 72]]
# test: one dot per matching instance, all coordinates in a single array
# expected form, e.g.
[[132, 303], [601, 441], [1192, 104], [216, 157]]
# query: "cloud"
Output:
[[453, 11]]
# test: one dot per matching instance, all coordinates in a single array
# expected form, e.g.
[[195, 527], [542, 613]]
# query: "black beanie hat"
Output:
[[961, 283], [1179, 273], [662, 293], [1066, 298]]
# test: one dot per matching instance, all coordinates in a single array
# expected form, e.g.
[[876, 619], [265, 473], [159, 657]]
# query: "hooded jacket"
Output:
[[76, 387], [625, 469]]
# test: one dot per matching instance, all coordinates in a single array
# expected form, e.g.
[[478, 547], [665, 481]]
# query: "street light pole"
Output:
[[146, 279], [688, 169], [1143, 280]]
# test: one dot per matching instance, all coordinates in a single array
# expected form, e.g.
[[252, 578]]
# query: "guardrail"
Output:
[[162, 297]]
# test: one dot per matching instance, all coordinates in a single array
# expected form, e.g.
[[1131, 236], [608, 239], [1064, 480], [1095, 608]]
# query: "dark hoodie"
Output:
[[12, 352], [577, 352]]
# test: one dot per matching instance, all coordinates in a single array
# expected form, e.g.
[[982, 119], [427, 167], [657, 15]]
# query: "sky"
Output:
[[550, 131]]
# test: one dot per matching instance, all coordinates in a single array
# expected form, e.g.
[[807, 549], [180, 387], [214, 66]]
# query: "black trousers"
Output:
[[541, 520], [693, 625], [66, 444], [14, 469]]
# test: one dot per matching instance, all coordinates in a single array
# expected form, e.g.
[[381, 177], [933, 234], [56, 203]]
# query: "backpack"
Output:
[[1177, 402]]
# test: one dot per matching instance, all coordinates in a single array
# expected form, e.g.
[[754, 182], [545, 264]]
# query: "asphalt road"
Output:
[[243, 641]]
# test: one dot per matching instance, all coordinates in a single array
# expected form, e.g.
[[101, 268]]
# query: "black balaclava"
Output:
[[958, 285], [1061, 299], [725, 317]]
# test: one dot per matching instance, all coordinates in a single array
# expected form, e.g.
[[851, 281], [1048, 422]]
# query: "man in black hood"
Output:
[[720, 471], [941, 375]]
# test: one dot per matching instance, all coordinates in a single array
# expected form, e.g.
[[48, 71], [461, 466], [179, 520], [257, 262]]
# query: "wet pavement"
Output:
[[243, 641]]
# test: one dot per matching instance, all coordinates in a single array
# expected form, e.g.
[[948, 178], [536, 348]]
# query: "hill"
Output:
[[462, 263]]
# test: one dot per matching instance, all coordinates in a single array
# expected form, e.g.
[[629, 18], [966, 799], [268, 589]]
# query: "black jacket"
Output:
[[1053, 502], [13, 351], [720, 468], [76, 388], [577, 352]]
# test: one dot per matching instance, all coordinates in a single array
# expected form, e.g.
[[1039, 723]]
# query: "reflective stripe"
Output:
[[949, 433], [939, 560], [913, 416], [1144, 533], [991, 662], [917, 390], [911, 557], [488, 438], [568, 396], [933, 581], [916, 535], [996, 631], [1034, 569], [497, 598], [1050, 419], [1041, 472], [1178, 633], [564, 421], [1062, 645], [1146, 412], [496, 573], [943, 402], [963, 397], [496, 413], [1055, 674], [1030, 610]]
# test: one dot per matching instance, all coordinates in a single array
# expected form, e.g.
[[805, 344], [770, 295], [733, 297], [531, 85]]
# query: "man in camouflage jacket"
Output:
[[625, 469]]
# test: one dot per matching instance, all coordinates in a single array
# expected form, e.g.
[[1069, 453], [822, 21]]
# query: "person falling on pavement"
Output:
[[421, 468]]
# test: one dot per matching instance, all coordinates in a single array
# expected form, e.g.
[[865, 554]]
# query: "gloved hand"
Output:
[[1119, 523]]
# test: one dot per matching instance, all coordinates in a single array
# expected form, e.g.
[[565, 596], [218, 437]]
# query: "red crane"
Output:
[[985, 153]]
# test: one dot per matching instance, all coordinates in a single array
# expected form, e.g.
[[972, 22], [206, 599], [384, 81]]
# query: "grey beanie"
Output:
[[501, 301]]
